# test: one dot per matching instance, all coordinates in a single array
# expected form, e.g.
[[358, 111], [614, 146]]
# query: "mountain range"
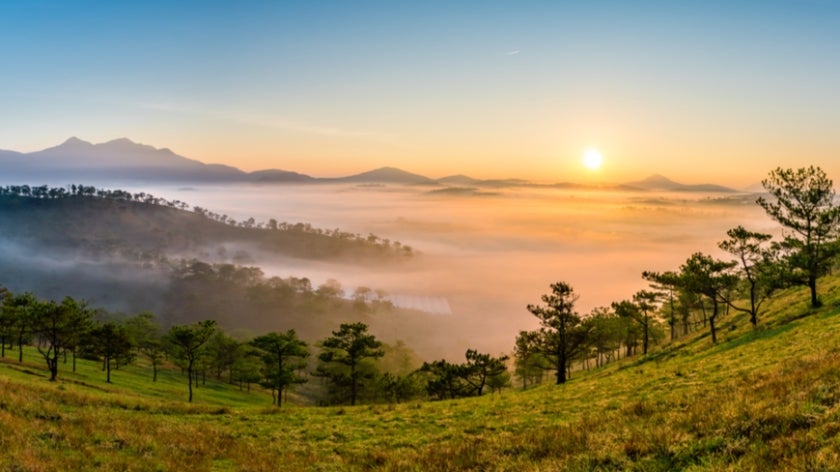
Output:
[[123, 159]]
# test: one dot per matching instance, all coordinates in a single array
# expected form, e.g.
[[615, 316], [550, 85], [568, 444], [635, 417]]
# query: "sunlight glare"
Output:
[[593, 159]]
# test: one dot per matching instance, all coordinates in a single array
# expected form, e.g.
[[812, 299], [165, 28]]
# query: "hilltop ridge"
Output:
[[124, 159]]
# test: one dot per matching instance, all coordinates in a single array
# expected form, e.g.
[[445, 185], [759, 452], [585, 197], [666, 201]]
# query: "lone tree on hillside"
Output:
[[706, 276], [482, 369], [58, 326], [755, 262], [343, 354], [804, 203], [560, 336], [187, 342], [285, 355]]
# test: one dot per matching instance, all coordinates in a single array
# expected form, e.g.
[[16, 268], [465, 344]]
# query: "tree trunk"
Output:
[[561, 368], [712, 322], [108, 369], [53, 365], [812, 284], [189, 380]]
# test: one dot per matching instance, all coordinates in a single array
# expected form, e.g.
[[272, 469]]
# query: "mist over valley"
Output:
[[479, 251]]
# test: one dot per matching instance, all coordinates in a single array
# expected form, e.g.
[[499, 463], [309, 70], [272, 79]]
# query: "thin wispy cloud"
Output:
[[513, 52]]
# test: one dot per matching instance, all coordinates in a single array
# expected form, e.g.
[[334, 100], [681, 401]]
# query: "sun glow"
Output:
[[593, 159]]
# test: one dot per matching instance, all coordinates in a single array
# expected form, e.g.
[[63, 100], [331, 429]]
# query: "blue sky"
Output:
[[487, 88]]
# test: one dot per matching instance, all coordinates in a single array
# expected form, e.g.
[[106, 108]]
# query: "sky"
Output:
[[700, 91]]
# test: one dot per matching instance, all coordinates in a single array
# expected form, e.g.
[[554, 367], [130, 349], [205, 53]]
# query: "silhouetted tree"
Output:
[[558, 320], [709, 277], [284, 355], [186, 342], [58, 325], [756, 265], [479, 368], [445, 380], [342, 356], [804, 203]]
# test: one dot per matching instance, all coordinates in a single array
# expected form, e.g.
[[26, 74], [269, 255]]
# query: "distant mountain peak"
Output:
[[660, 182], [73, 141], [657, 179], [388, 175], [121, 141]]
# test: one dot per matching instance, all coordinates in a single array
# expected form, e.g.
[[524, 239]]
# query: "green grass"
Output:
[[765, 398], [129, 383]]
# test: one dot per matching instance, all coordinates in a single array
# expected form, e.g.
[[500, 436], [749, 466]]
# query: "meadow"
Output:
[[759, 399]]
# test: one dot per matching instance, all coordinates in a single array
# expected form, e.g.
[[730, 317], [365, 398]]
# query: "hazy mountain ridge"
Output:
[[125, 159], [660, 182], [390, 175]]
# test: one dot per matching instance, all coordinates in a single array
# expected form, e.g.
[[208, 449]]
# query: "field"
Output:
[[760, 399]]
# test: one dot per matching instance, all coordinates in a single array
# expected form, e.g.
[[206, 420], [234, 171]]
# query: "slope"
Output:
[[758, 400]]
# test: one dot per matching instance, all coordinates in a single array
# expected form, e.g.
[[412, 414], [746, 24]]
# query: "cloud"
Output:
[[513, 53]]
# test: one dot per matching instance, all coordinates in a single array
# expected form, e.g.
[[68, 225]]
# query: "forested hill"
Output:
[[116, 222]]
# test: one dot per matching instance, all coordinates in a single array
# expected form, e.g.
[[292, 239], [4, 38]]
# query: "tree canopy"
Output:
[[803, 202]]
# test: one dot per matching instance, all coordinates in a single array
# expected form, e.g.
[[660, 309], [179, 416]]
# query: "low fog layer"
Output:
[[489, 256]]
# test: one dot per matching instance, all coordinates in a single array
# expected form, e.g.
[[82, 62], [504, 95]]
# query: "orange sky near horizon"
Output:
[[701, 92]]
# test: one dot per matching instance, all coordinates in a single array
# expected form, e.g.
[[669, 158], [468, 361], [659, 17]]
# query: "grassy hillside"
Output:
[[758, 400]]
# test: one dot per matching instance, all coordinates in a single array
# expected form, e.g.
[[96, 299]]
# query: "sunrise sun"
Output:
[[593, 159]]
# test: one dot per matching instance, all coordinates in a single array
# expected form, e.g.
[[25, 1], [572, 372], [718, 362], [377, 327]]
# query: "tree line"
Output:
[[45, 192], [346, 365], [701, 290]]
